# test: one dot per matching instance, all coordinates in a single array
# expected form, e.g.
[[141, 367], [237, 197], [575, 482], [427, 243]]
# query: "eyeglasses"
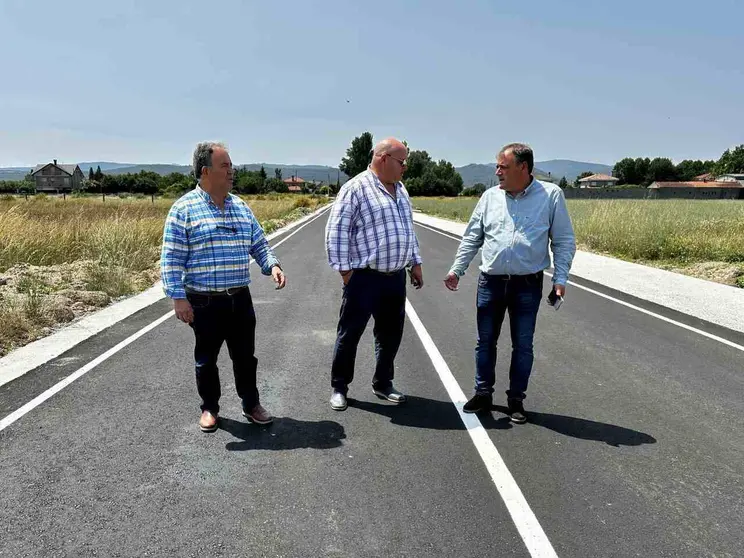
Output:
[[403, 163], [226, 228]]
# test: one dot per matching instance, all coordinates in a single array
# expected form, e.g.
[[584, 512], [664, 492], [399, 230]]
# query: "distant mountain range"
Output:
[[471, 174], [552, 170]]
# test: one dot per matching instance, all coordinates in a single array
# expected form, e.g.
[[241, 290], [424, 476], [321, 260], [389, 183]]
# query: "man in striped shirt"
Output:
[[209, 237], [370, 241]]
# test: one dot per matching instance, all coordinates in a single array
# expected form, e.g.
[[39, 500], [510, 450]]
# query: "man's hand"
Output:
[[560, 290], [183, 310], [346, 275], [417, 276], [279, 278], [451, 281]]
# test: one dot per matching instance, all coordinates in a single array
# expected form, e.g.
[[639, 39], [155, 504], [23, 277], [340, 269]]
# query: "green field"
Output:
[[704, 238]]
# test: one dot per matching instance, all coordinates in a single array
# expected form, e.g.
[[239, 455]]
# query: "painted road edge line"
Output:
[[31, 356], [39, 399], [529, 528], [626, 304]]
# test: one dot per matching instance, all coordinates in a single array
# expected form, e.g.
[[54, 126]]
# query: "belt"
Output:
[[386, 273], [510, 277], [232, 291]]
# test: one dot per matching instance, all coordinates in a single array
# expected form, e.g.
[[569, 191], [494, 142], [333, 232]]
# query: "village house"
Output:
[[294, 183], [52, 177], [598, 181]]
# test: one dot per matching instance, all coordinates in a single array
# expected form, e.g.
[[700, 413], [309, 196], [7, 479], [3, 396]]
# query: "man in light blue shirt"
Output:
[[514, 224]]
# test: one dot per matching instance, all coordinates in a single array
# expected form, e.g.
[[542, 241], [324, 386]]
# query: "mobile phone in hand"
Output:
[[554, 300]]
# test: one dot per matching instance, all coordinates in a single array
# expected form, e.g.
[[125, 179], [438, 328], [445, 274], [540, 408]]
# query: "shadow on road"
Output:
[[417, 412], [284, 434], [575, 427], [420, 412]]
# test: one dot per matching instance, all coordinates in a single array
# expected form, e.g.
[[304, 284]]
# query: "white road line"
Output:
[[38, 400], [627, 304], [529, 528]]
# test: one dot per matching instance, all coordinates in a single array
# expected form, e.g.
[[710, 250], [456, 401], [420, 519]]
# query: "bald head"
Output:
[[388, 145], [389, 160]]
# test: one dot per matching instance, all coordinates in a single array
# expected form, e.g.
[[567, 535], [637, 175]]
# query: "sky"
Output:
[[295, 81]]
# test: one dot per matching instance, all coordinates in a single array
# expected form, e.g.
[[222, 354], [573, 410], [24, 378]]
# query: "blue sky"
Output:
[[143, 81]]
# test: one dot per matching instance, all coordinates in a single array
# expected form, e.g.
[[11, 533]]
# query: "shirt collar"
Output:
[[379, 183], [207, 198], [527, 190]]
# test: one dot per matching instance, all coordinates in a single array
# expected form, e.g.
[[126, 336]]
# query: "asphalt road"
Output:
[[635, 445]]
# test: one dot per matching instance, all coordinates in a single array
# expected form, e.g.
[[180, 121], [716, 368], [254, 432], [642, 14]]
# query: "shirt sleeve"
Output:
[[260, 250], [174, 253], [471, 241], [562, 240], [339, 229]]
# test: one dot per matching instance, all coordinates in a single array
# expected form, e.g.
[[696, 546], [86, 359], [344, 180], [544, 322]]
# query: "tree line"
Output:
[[644, 171]]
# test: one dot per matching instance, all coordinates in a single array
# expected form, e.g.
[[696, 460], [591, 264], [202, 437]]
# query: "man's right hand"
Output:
[[183, 310], [346, 275], [451, 281]]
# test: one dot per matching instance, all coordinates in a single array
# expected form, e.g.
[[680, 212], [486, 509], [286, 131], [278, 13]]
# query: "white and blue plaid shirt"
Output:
[[207, 249], [370, 228]]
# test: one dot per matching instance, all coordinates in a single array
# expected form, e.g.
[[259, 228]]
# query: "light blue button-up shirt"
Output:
[[515, 231]]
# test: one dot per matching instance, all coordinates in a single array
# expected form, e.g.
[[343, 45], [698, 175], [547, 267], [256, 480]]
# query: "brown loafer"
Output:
[[208, 422], [259, 415]]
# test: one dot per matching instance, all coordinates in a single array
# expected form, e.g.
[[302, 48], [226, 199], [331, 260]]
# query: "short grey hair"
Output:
[[522, 154], [203, 156]]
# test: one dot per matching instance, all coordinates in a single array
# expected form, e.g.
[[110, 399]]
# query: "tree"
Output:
[[732, 161], [91, 176], [660, 169], [276, 185], [98, 176], [582, 175], [474, 190], [418, 162], [688, 169], [563, 184], [262, 174], [625, 171], [358, 156], [278, 173]]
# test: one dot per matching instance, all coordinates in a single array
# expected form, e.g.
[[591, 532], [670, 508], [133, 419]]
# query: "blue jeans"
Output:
[[230, 319], [368, 294], [520, 296]]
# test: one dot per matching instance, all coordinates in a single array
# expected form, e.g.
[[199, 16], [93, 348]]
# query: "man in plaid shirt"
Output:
[[209, 237], [370, 241]]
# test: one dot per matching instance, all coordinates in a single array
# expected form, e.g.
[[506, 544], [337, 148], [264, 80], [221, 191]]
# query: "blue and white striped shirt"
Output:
[[370, 228], [207, 249]]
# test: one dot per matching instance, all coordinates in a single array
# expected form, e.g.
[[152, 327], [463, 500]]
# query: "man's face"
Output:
[[395, 164], [220, 174], [512, 175]]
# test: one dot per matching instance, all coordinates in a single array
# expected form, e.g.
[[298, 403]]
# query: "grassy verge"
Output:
[[702, 238], [60, 259]]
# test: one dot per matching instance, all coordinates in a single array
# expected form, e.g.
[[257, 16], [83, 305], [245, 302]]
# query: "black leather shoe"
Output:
[[478, 403], [390, 394], [516, 411]]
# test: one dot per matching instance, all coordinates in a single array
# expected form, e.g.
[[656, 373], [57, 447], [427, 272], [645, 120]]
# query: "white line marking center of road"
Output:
[[524, 519]]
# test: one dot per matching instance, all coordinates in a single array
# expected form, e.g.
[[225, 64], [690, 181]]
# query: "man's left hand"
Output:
[[279, 278], [560, 290], [417, 276]]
